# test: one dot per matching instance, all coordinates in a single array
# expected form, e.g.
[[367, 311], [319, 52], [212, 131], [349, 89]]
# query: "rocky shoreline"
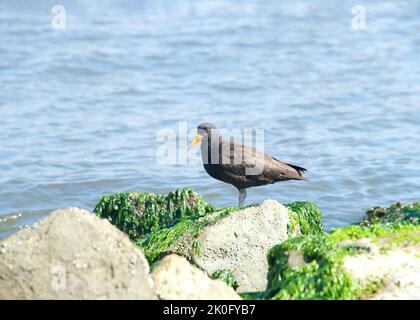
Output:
[[176, 246]]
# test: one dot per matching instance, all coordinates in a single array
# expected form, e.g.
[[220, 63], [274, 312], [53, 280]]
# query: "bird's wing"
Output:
[[244, 160]]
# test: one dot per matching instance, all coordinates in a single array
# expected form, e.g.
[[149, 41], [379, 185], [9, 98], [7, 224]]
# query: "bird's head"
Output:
[[203, 130]]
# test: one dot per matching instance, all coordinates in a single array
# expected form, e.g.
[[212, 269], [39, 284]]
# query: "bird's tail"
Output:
[[300, 171]]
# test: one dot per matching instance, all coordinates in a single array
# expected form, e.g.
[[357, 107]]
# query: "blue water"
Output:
[[81, 107]]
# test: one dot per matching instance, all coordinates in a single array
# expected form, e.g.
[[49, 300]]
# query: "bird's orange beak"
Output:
[[197, 139]]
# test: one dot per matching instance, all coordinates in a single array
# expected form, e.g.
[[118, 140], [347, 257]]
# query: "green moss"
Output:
[[319, 278], [196, 247], [397, 212], [252, 295], [161, 240], [385, 235], [138, 214], [226, 275], [322, 275], [305, 218]]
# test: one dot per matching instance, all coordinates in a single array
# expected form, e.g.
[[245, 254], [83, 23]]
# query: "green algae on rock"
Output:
[[397, 212], [182, 223], [252, 295], [138, 213], [234, 239], [305, 218], [321, 274], [159, 241], [226, 275]]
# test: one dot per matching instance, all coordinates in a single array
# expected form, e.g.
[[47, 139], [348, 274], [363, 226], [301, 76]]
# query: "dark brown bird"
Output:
[[240, 165]]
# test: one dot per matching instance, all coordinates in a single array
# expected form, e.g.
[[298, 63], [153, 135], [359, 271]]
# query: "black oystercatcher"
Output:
[[240, 165]]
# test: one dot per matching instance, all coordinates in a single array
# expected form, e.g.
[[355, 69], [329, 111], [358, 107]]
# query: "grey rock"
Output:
[[240, 242], [175, 278], [72, 254]]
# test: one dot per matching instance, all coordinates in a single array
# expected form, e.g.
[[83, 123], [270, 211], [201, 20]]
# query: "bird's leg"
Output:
[[242, 196]]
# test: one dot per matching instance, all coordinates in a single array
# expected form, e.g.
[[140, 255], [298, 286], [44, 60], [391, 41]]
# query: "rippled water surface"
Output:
[[80, 108]]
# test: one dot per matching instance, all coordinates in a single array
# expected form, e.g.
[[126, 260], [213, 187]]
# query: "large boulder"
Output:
[[376, 259], [175, 278], [232, 239], [72, 254], [240, 243]]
